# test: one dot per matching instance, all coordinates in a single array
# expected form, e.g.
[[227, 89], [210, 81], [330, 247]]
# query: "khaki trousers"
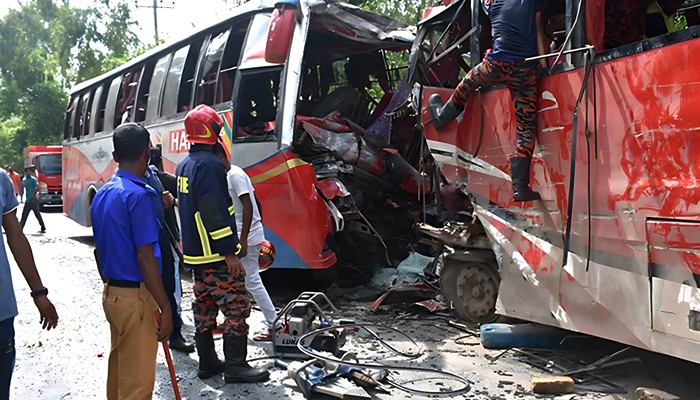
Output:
[[131, 314]]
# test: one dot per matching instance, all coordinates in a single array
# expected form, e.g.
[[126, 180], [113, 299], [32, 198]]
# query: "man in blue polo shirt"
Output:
[[125, 225], [19, 246]]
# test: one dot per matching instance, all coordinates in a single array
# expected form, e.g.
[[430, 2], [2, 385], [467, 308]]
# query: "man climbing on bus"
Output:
[[518, 33], [210, 247]]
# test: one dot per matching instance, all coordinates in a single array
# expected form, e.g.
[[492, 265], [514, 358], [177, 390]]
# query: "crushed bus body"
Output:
[[289, 95], [611, 250]]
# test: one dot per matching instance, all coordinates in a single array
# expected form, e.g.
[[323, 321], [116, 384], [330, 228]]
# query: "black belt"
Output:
[[123, 284]]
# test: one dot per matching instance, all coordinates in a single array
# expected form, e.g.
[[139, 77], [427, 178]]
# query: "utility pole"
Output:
[[155, 8]]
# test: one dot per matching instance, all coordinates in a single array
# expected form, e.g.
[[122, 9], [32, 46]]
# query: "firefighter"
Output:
[[211, 249], [518, 33]]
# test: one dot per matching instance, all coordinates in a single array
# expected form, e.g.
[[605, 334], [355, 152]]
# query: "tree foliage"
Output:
[[46, 47]]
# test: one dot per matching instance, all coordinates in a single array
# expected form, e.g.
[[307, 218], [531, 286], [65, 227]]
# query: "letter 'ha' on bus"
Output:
[[279, 34]]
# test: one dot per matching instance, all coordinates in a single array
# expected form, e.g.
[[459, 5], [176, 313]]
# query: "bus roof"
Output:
[[249, 7], [383, 28]]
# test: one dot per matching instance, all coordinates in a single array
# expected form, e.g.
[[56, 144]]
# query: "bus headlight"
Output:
[[43, 189]]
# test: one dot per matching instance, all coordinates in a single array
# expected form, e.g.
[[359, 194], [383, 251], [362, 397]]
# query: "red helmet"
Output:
[[267, 255], [202, 125]]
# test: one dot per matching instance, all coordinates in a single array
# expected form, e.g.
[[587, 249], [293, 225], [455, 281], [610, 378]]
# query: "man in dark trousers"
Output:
[[126, 227], [31, 203], [22, 252], [167, 239], [518, 33], [211, 248]]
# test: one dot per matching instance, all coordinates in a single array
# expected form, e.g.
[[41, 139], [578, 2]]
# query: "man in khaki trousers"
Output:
[[125, 226]]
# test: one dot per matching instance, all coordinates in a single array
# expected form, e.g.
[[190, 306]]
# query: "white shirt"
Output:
[[239, 184]]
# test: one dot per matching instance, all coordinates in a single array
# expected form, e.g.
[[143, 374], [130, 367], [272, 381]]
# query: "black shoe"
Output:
[[177, 343], [520, 173], [237, 369], [442, 114], [209, 363], [43, 230]]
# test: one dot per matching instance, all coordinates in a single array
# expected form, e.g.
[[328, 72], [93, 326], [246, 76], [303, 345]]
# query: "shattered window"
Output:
[[257, 103], [210, 68]]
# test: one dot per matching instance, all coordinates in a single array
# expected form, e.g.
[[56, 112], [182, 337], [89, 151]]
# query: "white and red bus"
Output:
[[265, 79], [613, 247]]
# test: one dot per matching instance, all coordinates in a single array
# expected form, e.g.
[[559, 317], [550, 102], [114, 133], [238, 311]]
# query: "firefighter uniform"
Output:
[[208, 234], [208, 228]]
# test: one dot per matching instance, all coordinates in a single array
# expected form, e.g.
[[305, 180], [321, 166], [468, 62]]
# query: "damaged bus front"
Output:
[[611, 250]]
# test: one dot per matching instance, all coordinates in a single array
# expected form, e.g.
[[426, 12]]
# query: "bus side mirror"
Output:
[[280, 32]]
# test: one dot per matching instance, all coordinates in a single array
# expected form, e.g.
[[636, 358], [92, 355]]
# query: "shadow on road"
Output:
[[87, 239]]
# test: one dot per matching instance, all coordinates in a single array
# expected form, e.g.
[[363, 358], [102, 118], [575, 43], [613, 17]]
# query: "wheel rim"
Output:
[[477, 292]]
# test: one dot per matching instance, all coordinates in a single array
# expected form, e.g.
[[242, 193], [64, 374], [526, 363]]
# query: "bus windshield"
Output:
[[49, 164]]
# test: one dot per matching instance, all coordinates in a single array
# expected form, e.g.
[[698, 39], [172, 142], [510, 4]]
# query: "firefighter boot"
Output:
[[442, 114], [520, 173], [237, 369], [209, 363]]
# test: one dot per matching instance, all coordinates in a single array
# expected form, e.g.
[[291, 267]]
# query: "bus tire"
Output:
[[472, 289]]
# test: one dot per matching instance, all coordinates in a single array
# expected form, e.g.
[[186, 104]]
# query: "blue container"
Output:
[[526, 336]]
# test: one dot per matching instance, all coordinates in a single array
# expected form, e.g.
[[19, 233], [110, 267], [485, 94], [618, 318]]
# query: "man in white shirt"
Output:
[[250, 235]]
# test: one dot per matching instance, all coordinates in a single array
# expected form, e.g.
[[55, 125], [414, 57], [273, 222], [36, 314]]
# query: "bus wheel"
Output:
[[472, 288]]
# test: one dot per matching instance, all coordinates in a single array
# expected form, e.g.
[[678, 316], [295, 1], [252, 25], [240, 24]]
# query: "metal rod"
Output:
[[580, 49]]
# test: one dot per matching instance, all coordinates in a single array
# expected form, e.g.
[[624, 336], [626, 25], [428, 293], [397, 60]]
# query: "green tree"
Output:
[[46, 47]]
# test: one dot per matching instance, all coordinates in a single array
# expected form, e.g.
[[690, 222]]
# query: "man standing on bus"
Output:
[[518, 33], [125, 225], [251, 235], [31, 202], [210, 247]]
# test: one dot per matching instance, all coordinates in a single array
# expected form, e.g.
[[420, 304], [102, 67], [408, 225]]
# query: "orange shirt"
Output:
[[16, 181]]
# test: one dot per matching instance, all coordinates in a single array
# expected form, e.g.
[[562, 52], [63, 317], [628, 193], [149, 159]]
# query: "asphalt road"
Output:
[[71, 362]]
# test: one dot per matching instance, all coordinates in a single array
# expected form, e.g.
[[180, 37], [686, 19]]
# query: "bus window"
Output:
[[184, 99], [69, 123], [97, 109], [257, 101], [172, 82], [82, 114], [210, 68], [232, 55], [111, 104], [87, 113], [154, 91], [127, 97], [143, 91]]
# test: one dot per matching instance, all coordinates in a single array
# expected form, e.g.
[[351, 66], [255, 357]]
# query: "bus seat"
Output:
[[351, 103], [381, 106]]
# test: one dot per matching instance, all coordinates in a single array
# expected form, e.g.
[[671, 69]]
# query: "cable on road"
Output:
[[444, 375]]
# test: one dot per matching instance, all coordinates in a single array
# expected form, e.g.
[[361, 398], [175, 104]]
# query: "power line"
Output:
[[155, 8]]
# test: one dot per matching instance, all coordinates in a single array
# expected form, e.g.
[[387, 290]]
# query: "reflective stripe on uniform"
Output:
[[231, 210], [206, 247], [221, 233], [198, 260]]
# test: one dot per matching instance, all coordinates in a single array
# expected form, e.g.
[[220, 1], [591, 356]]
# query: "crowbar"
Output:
[[169, 360]]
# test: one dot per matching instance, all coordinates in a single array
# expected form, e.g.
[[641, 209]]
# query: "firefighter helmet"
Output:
[[267, 255], [202, 125]]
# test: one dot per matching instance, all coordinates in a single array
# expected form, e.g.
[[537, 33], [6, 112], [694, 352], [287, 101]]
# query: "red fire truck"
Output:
[[48, 163]]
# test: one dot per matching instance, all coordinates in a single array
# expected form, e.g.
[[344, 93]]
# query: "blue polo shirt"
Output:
[[8, 203], [124, 218], [514, 29]]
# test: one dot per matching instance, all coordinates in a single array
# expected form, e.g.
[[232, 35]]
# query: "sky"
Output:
[[184, 17]]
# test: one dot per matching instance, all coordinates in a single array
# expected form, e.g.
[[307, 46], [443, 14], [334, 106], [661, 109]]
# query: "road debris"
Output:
[[552, 385]]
